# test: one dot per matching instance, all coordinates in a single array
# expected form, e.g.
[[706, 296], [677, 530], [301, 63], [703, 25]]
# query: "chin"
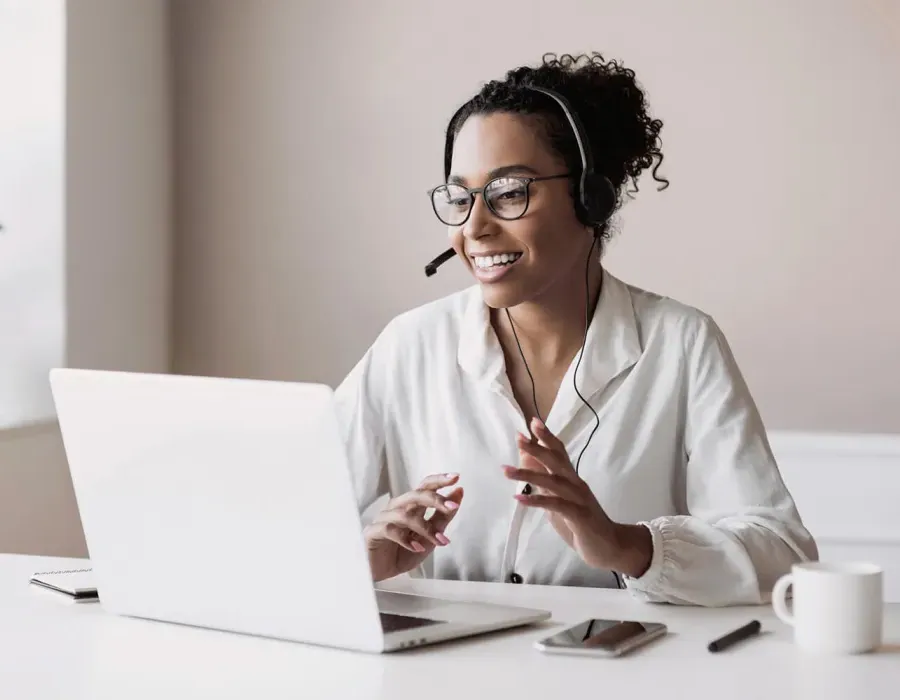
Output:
[[498, 296]]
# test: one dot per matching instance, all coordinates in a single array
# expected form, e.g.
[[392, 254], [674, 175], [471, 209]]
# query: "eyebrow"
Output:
[[498, 172]]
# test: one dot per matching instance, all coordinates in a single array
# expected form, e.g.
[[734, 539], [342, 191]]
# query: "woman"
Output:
[[603, 434]]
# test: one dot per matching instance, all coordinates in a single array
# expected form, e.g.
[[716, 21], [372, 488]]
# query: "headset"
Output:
[[595, 201]]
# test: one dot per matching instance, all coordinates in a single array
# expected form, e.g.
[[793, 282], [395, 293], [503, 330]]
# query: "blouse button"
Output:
[[515, 578]]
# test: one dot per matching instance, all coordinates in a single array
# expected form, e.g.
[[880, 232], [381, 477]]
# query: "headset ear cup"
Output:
[[598, 198], [581, 213]]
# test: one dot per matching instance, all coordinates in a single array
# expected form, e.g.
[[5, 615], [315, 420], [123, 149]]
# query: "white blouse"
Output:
[[680, 448]]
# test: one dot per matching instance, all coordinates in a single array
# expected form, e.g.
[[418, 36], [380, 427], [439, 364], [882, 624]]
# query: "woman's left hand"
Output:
[[573, 509]]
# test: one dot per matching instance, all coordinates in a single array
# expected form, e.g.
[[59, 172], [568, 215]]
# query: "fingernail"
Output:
[[451, 475], [440, 537], [416, 546], [536, 422], [451, 505]]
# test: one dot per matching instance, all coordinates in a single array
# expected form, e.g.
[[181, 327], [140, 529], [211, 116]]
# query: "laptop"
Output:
[[228, 504]]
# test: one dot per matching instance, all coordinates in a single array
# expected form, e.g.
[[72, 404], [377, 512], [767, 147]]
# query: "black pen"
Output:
[[739, 634]]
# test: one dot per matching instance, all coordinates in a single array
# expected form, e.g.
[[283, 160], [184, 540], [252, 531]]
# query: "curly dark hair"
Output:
[[611, 105]]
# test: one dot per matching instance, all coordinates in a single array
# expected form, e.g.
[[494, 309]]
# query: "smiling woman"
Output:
[[603, 434]]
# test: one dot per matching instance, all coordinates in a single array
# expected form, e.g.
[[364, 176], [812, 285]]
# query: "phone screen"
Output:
[[605, 634]]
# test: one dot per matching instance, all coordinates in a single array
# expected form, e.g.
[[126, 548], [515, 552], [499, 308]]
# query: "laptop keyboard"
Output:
[[396, 623]]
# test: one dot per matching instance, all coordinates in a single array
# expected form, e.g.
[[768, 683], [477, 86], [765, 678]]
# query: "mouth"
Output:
[[489, 268], [486, 262]]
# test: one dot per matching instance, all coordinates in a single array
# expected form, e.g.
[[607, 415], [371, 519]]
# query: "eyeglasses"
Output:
[[506, 197]]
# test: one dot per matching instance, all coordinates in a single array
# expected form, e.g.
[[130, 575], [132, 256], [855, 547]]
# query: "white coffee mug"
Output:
[[837, 608]]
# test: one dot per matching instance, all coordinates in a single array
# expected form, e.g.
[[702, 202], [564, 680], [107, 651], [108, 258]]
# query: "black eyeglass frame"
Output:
[[472, 191]]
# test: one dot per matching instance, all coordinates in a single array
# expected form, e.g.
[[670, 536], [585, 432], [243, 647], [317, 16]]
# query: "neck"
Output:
[[551, 327]]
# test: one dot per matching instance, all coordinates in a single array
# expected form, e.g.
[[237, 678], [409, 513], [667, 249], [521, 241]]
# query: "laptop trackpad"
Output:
[[442, 610], [407, 604]]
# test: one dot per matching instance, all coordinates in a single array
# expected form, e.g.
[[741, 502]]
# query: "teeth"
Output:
[[486, 261]]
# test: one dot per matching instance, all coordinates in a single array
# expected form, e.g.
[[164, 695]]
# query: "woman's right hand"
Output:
[[400, 537]]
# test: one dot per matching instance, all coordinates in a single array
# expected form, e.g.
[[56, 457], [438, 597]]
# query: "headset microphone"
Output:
[[433, 266]]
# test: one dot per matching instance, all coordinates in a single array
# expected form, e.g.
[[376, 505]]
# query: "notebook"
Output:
[[76, 583]]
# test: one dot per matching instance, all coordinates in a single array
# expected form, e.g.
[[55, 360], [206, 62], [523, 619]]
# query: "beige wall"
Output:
[[118, 244], [308, 133], [38, 513], [118, 185]]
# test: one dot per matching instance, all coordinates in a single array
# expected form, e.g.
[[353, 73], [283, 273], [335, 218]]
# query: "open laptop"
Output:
[[228, 504]]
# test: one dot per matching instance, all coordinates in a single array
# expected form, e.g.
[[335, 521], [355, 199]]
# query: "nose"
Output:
[[480, 220]]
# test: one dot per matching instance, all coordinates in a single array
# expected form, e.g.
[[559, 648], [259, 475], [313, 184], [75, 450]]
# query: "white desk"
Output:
[[53, 648]]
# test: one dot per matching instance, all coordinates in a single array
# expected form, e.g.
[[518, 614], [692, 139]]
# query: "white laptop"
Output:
[[228, 504]]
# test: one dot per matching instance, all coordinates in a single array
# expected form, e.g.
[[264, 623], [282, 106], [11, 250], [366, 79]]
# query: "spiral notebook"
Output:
[[75, 583]]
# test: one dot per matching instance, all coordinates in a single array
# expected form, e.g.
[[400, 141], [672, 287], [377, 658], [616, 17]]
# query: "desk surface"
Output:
[[53, 648]]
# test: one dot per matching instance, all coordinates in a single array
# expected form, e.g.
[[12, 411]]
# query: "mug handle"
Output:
[[779, 599]]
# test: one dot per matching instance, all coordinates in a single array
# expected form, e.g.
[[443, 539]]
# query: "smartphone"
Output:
[[602, 637]]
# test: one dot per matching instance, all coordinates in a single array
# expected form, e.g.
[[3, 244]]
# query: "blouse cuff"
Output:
[[653, 579]]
